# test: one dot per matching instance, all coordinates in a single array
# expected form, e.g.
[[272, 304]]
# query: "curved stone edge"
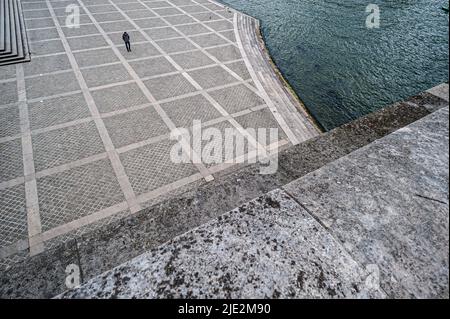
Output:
[[290, 112]]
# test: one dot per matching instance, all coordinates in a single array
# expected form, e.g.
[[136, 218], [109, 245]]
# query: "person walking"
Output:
[[126, 39]]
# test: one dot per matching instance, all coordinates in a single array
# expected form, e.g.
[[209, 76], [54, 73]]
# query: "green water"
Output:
[[342, 70]]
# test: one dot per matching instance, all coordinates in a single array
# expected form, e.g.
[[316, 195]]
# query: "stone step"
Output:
[[103, 247], [15, 29], [15, 38], [6, 44], [2, 25], [11, 39]]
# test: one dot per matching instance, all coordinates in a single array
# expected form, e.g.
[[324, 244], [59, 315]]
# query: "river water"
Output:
[[341, 69]]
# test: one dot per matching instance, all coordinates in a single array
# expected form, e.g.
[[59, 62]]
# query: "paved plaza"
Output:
[[85, 126]]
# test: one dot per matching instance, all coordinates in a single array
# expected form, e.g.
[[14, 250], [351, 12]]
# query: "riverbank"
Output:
[[340, 69]]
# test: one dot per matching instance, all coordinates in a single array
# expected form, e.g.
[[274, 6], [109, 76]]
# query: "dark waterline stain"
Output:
[[342, 70]]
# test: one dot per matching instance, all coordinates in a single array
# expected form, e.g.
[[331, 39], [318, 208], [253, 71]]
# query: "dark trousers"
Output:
[[128, 45]]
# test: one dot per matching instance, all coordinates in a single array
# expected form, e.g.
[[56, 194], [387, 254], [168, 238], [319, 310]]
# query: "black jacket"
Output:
[[126, 37]]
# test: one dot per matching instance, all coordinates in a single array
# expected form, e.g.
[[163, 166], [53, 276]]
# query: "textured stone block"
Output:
[[48, 85], [66, 145], [85, 29], [162, 33], [140, 14], [150, 23], [226, 53], [180, 19], [209, 40], [9, 121], [212, 77], [164, 12], [262, 119], [90, 42], [191, 60], [78, 192], [220, 25], [58, 110], [7, 72], [102, 8], [47, 47], [104, 75], [192, 29], [95, 57], [135, 126], [175, 45], [240, 69], [45, 34], [169, 86], [11, 161], [194, 9], [118, 97], [107, 17], [13, 216], [150, 167], [9, 93], [183, 112], [117, 26], [48, 64], [236, 98], [140, 50], [152, 67], [207, 16], [39, 23]]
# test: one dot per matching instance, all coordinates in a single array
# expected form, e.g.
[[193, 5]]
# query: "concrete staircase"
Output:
[[13, 35]]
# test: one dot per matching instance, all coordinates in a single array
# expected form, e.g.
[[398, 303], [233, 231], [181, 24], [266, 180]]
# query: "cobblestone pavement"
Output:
[[85, 126]]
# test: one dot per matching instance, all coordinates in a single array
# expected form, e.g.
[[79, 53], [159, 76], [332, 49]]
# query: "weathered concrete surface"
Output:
[[268, 248], [388, 205], [110, 245], [376, 216]]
